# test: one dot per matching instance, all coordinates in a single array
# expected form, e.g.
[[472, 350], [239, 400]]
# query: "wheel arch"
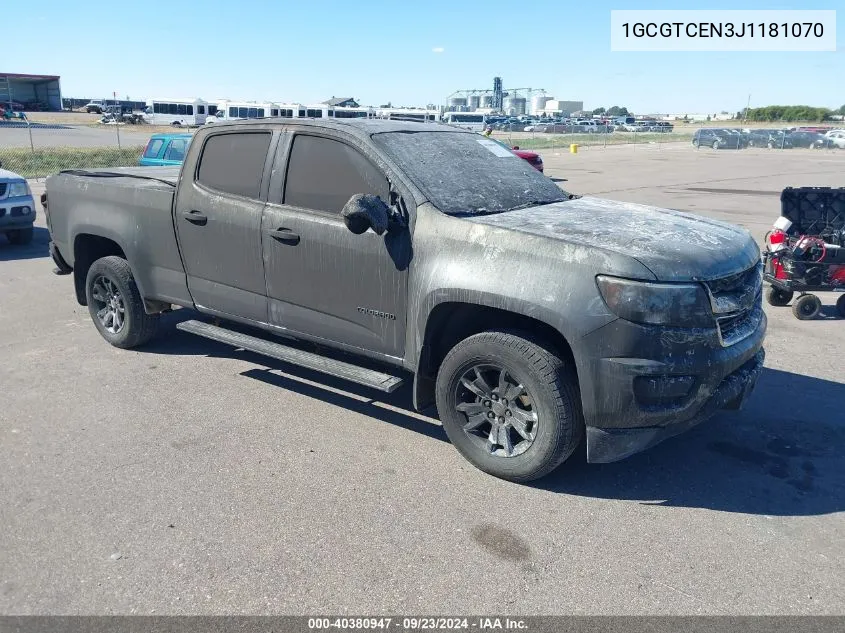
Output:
[[451, 321], [88, 248]]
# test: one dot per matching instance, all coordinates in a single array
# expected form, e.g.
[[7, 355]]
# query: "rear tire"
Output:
[[806, 307], [20, 237], [116, 305], [778, 297], [525, 418]]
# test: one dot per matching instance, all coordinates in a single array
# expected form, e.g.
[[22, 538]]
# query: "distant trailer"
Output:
[[176, 112], [235, 110], [408, 114]]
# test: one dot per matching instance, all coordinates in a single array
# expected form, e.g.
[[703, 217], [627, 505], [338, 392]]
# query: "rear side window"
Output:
[[153, 148], [323, 174], [234, 163], [176, 150]]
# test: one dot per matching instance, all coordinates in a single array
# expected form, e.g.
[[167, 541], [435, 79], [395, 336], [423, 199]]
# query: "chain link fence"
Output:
[[538, 137], [45, 143]]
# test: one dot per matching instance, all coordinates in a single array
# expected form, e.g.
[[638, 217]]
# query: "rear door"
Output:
[[323, 280], [218, 223]]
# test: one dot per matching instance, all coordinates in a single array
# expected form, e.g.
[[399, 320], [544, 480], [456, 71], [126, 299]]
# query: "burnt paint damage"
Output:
[[532, 251], [675, 246]]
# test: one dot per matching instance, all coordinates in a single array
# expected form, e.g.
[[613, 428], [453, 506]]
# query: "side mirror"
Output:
[[516, 146], [365, 211]]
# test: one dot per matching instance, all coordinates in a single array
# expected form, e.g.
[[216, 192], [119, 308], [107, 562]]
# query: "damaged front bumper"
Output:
[[613, 444], [643, 384]]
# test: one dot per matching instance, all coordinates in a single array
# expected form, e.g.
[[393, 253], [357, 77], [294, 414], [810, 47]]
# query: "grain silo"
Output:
[[538, 104], [457, 104]]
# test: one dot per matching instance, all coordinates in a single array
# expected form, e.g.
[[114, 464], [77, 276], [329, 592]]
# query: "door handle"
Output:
[[285, 235], [195, 217]]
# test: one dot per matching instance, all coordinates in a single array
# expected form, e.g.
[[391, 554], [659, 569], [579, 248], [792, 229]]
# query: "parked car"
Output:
[[718, 138], [836, 139], [662, 126], [17, 208], [95, 106], [804, 139], [764, 137], [532, 158], [165, 150], [533, 317]]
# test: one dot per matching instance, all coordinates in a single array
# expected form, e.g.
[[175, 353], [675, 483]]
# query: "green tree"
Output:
[[599, 111], [617, 111]]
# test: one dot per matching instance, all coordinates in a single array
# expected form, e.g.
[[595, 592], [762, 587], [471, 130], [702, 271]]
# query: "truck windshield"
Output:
[[468, 174]]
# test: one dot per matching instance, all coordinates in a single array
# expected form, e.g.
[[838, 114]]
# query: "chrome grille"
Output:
[[737, 304]]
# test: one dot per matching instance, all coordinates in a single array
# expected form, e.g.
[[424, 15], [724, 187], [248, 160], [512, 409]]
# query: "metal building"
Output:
[[30, 92]]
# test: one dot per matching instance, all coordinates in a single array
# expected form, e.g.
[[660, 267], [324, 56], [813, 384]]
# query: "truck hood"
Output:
[[5, 174], [673, 245]]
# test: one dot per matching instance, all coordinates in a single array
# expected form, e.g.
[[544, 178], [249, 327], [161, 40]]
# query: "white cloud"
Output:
[[438, 49]]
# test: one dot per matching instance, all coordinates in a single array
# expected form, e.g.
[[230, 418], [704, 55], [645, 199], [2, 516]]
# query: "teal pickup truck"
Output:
[[164, 150]]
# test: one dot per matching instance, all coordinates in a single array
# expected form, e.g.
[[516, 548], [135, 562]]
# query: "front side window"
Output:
[[234, 163], [323, 174]]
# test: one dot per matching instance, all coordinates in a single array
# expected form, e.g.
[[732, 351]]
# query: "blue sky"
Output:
[[380, 51]]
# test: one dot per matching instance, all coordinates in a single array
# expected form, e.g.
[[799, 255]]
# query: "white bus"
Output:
[[469, 120], [233, 110], [300, 111], [176, 112], [408, 114], [353, 113]]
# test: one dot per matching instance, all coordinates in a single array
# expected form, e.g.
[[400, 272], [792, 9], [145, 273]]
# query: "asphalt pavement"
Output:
[[190, 478]]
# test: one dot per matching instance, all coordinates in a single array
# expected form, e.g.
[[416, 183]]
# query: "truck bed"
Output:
[[131, 206]]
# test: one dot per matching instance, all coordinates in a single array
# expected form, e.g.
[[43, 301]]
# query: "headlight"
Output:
[[18, 189], [678, 305]]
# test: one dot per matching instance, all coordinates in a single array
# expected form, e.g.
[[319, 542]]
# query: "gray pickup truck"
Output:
[[532, 317]]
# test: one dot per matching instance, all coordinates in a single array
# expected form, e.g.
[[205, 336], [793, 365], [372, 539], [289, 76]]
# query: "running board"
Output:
[[353, 373]]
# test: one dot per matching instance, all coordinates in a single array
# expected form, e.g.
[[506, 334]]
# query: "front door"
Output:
[[322, 279], [218, 224]]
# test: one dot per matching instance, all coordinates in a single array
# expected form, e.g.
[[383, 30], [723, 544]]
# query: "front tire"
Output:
[[116, 305], [20, 237], [511, 407], [840, 306], [806, 307], [715, 144]]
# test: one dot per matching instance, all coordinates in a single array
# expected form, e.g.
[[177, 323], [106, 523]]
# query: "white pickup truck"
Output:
[[17, 208]]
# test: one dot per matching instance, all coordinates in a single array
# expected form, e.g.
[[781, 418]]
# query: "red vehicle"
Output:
[[532, 158]]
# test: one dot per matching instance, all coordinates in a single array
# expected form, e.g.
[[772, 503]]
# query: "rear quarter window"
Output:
[[153, 148], [234, 163]]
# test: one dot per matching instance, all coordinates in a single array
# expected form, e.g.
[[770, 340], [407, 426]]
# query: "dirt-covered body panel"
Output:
[[471, 226]]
